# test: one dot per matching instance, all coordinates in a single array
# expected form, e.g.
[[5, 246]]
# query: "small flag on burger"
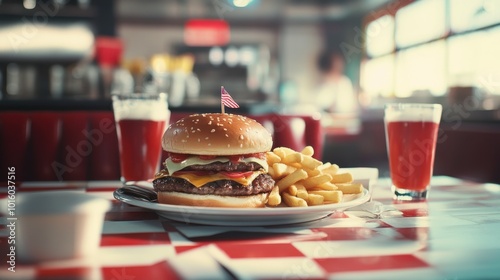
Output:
[[227, 100]]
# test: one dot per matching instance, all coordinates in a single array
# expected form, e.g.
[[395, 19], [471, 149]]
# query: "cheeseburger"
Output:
[[215, 160]]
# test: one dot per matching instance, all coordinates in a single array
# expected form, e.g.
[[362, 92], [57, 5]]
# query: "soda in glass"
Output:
[[411, 134], [141, 120]]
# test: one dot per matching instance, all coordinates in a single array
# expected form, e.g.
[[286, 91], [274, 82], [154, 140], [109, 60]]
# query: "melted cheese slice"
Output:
[[173, 167], [199, 181]]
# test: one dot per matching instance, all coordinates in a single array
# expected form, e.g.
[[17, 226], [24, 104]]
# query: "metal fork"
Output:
[[139, 192]]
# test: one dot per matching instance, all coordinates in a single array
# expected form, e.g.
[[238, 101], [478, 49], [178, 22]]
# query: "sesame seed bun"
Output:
[[216, 134]]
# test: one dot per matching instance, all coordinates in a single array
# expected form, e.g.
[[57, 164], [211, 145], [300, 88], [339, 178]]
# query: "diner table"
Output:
[[452, 235]]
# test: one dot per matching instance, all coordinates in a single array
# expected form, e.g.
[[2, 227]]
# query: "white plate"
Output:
[[251, 216], [245, 216]]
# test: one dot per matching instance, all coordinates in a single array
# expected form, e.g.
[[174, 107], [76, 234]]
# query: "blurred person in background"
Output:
[[335, 93]]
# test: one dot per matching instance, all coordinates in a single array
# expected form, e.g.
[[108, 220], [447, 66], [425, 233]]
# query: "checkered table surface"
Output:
[[454, 235]]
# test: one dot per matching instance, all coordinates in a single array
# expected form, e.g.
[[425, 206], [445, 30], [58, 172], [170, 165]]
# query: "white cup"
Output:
[[55, 225]]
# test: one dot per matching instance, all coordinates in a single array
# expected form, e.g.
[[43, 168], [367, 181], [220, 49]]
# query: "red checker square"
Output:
[[415, 212], [335, 265], [249, 250], [339, 215], [64, 273], [185, 248], [354, 233], [418, 234], [160, 270], [130, 239]]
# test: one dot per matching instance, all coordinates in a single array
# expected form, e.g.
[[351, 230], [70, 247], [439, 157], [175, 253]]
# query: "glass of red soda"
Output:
[[141, 120], [411, 133]]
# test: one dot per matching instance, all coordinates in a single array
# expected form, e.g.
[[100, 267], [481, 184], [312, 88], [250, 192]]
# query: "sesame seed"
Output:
[[198, 129], [183, 141], [241, 145], [206, 138], [227, 135], [228, 145], [198, 139], [209, 144], [242, 137], [241, 128], [225, 129], [210, 123], [213, 130]]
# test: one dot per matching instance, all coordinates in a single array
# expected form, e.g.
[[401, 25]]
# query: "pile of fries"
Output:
[[302, 180]]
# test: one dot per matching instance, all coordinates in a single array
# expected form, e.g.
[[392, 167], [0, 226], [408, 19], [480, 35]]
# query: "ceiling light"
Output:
[[241, 3]]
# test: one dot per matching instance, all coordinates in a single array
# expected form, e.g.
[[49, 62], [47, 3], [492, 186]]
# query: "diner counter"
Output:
[[75, 104], [454, 235]]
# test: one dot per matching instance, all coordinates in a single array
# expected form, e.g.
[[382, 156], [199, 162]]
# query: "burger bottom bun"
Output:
[[178, 198]]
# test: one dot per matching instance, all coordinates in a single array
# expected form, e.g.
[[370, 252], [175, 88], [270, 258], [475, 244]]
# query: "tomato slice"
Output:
[[206, 157], [237, 174], [235, 159], [175, 157], [256, 155]]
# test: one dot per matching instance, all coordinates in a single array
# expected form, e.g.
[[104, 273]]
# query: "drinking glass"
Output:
[[140, 123], [411, 134]]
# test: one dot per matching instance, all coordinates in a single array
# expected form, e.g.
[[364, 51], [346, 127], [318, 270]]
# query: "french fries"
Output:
[[290, 179], [302, 180], [294, 201], [274, 198], [350, 188]]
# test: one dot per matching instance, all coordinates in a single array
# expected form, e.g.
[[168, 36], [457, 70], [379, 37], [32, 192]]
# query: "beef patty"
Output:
[[262, 184]]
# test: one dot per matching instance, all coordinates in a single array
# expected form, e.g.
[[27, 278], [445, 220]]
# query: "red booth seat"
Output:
[[82, 145]]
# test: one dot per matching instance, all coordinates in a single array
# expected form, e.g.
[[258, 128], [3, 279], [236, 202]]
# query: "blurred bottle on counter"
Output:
[[184, 81], [137, 67], [174, 76], [108, 54]]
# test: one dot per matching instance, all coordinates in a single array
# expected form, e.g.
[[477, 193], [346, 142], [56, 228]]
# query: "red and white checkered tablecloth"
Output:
[[454, 235]]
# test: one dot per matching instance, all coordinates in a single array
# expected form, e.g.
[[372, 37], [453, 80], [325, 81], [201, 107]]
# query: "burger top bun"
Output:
[[216, 134]]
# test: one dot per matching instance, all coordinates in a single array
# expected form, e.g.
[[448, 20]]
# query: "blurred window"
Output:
[[377, 78], [466, 57], [473, 14], [430, 46], [421, 69], [420, 22], [380, 36]]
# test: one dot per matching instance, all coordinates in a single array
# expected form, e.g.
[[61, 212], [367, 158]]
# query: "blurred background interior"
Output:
[[339, 61]]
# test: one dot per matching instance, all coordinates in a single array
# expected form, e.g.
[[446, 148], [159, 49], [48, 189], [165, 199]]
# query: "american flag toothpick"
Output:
[[226, 100]]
